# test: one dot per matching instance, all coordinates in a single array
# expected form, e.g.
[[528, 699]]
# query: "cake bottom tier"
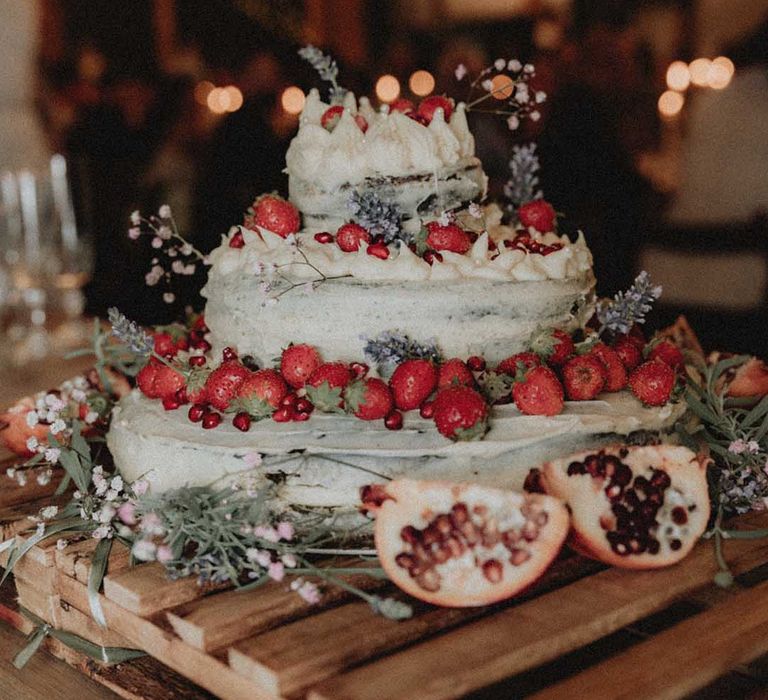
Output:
[[323, 462]]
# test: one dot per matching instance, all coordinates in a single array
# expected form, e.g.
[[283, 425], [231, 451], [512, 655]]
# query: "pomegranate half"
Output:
[[461, 545], [633, 507]]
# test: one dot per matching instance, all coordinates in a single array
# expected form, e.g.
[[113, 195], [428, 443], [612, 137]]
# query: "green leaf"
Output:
[[756, 414], [78, 443], [701, 410], [96, 576], [326, 398], [745, 534], [34, 640], [71, 463], [63, 485], [762, 430]]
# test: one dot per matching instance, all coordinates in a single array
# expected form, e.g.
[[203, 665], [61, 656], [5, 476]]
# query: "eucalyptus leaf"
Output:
[[756, 414], [98, 567]]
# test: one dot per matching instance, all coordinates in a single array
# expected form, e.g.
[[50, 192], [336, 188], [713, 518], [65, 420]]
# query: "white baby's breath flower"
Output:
[[78, 395], [44, 477], [117, 483], [49, 512], [32, 443], [102, 532], [10, 472], [541, 96], [40, 529], [32, 419], [535, 115], [91, 417], [164, 232], [136, 218], [514, 65], [186, 249], [460, 72], [513, 122], [487, 85], [111, 495], [144, 550], [58, 426], [169, 297], [499, 64], [164, 212], [134, 232], [528, 68], [475, 211], [61, 544], [178, 267]]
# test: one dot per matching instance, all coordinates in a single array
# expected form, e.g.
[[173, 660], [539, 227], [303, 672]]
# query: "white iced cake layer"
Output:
[[424, 170], [268, 294], [323, 462]]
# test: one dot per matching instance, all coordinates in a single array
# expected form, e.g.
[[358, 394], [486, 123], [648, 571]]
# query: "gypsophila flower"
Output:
[[737, 447], [117, 483], [285, 530], [164, 212], [136, 218], [32, 443], [169, 297], [157, 242], [91, 417], [289, 560], [487, 85], [513, 122], [140, 487], [499, 64], [144, 550], [445, 218], [78, 395], [164, 233], [40, 529], [44, 477], [307, 590], [266, 533], [535, 115], [10, 472], [460, 72], [49, 512], [61, 544], [164, 554], [753, 447], [628, 308], [276, 570], [32, 419], [475, 211], [514, 65]]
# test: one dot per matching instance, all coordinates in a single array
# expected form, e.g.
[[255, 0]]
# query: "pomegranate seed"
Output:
[[203, 345], [476, 363], [181, 396], [196, 412], [427, 409], [289, 400], [228, 354], [242, 421], [493, 570], [378, 250], [394, 421], [171, 403], [509, 243], [197, 360], [324, 237], [211, 419], [430, 256], [304, 406], [300, 416], [237, 241], [359, 369], [283, 415], [492, 245]]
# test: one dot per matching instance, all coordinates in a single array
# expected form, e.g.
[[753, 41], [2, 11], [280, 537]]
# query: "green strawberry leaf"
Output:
[[476, 432], [542, 342], [495, 385], [420, 241], [256, 408], [326, 398], [354, 396], [197, 378]]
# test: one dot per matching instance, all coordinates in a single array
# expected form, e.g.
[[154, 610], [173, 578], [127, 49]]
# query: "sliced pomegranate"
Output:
[[633, 507], [462, 545]]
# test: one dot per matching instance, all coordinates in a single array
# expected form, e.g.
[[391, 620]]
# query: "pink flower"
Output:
[[127, 513], [134, 232], [252, 459], [276, 571], [285, 530], [164, 554], [140, 487], [460, 72], [737, 447], [310, 592], [157, 242]]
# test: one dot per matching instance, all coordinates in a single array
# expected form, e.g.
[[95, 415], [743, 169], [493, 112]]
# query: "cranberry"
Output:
[[242, 421], [237, 241], [324, 237], [378, 250], [300, 416], [289, 400], [197, 360], [427, 409], [196, 412], [476, 363], [228, 354], [283, 415], [394, 421], [211, 419], [430, 256], [304, 406], [171, 403], [359, 369]]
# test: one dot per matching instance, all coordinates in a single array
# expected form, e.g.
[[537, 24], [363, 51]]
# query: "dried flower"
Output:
[[129, 333], [630, 307], [389, 349], [523, 184], [326, 68], [380, 217]]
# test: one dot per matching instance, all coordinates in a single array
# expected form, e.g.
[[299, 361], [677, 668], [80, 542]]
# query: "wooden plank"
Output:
[[75, 559], [210, 672], [82, 624], [43, 576], [670, 664], [40, 602], [14, 519], [146, 589], [11, 493], [218, 620], [537, 631]]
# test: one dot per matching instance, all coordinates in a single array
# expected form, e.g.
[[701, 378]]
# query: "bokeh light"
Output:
[[502, 87], [218, 100], [202, 90], [292, 99], [234, 97], [720, 73], [678, 76], [387, 88], [700, 71], [421, 83], [670, 103]]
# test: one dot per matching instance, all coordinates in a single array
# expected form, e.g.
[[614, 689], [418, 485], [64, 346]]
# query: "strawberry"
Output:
[[629, 353], [237, 240], [195, 388], [540, 392], [402, 104], [449, 237], [164, 344], [584, 377], [460, 413], [297, 364], [539, 214], [454, 373], [273, 213], [510, 365], [554, 346], [350, 236], [158, 381], [369, 399], [378, 250], [332, 115], [616, 371], [429, 105], [260, 393], [222, 384], [326, 385], [669, 353], [412, 383], [394, 421], [652, 382]]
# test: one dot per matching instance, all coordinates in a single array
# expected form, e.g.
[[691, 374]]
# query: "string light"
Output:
[[202, 90], [670, 103], [235, 98], [678, 76], [700, 71], [387, 88], [421, 83], [502, 87], [720, 73], [292, 100], [224, 99]]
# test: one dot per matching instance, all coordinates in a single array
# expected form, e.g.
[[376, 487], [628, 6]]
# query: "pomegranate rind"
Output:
[[588, 502], [416, 503]]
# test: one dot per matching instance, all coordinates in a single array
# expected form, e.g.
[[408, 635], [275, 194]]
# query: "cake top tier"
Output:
[[388, 144]]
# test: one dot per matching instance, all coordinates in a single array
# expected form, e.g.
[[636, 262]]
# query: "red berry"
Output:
[[540, 393], [336, 374], [181, 396], [652, 382], [266, 385], [378, 250], [461, 413], [202, 345], [431, 256], [164, 345], [211, 419], [283, 415], [562, 349], [584, 377], [242, 421], [427, 409], [237, 240], [553, 248], [297, 363], [394, 421], [324, 237], [369, 399], [304, 406], [511, 364], [361, 122], [158, 381], [228, 354], [359, 369], [629, 353], [331, 117], [300, 416], [274, 214], [197, 360], [454, 373], [222, 384], [429, 105], [539, 214], [476, 363], [412, 383], [449, 237], [616, 372], [402, 104], [289, 400], [350, 236], [171, 403], [669, 353], [196, 412]]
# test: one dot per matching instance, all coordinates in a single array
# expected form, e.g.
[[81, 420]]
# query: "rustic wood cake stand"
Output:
[[582, 631]]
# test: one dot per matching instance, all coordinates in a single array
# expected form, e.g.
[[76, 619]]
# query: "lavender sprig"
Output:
[[130, 333], [389, 349], [630, 307], [380, 217], [523, 184], [326, 68]]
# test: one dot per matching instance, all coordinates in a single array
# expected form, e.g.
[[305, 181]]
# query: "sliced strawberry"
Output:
[[540, 392], [616, 371], [350, 236], [429, 105], [274, 214], [369, 399], [584, 377], [331, 117], [449, 237], [629, 353], [652, 382], [237, 240], [511, 364], [223, 383], [297, 364], [460, 413], [412, 383], [669, 353], [454, 373], [539, 214]]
